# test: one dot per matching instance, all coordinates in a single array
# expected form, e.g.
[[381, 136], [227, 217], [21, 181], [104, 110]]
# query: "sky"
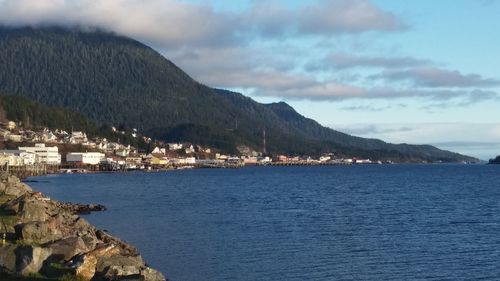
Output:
[[403, 71]]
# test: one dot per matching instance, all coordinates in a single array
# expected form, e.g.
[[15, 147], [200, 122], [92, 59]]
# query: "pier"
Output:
[[23, 172]]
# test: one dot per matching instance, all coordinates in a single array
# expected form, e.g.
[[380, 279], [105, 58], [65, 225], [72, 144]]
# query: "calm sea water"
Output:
[[395, 222]]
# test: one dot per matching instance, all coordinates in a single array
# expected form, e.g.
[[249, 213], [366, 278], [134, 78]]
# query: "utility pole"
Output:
[[264, 148]]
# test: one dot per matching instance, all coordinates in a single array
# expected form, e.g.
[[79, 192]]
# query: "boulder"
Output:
[[83, 209], [12, 186], [117, 272], [85, 265], [150, 274], [90, 240], [121, 261], [122, 268], [53, 229], [31, 206], [125, 248], [39, 232], [67, 248], [30, 259], [8, 258]]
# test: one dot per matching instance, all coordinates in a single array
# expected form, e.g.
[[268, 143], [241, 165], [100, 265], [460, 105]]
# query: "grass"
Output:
[[39, 277], [35, 277], [5, 198]]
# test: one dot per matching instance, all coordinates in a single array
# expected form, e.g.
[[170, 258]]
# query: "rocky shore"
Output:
[[43, 237]]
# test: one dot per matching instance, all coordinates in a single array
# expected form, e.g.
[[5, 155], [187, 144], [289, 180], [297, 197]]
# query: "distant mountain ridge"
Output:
[[116, 80]]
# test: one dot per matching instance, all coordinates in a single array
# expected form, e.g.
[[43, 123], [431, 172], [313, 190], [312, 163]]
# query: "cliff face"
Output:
[[43, 236]]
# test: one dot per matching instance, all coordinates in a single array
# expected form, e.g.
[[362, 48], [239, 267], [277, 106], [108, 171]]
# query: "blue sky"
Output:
[[403, 71]]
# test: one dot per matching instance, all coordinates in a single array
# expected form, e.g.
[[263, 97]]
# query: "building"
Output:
[[44, 155], [78, 138], [175, 146], [11, 125], [14, 137], [85, 158], [17, 158]]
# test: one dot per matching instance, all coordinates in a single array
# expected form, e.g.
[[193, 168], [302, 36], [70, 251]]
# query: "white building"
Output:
[[175, 146], [44, 155], [17, 158], [78, 138], [187, 160], [88, 158]]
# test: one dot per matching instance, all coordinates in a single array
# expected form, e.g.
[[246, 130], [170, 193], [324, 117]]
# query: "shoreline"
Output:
[[43, 237]]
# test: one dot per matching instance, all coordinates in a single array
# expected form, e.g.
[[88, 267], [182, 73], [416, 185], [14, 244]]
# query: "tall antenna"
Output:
[[264, 148]]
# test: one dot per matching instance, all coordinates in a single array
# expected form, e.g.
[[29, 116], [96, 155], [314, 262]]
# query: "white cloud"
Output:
[[346, 61], [438, 78], [173, 23]]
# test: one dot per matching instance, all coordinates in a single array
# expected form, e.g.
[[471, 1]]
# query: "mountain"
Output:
[[116, 80]]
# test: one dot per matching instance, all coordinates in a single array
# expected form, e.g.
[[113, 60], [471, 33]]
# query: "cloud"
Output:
[[342, 61], [348, 16], [325, 17], [334, 91], [371, 108], [165, 23], [437, 78], [174, 23], [373, 129]]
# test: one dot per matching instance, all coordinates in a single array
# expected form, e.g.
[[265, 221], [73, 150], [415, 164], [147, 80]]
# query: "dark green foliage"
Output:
[[118, 81], [34, 115]]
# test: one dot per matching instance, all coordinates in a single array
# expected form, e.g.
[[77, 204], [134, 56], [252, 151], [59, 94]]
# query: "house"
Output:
[[134, 159], [250, 160], [78, 138], [14, 137], [157, 160], [363, 161], [11, 125], [48, 136], [45, 155], [189, 149], [324, 159], [158, 150], [85, 158], [174, 146], [122, 152], [187, 160], [282, 158], [17, 158]]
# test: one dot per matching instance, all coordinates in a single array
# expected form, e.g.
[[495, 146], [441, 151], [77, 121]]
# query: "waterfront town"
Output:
[[75, 152]]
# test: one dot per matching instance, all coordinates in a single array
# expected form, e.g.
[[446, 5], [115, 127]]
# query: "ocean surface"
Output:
[[377, 222]]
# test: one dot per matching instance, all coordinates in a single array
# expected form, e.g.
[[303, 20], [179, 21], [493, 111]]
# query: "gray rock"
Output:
[[39, 232], [67, 248], [11, 186], [30, 259], [53, 229], [150, 274], [103, 263], [8, 258]]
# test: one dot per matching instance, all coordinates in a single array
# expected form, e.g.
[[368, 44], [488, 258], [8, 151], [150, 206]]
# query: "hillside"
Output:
[[34, 115], [115, 80]]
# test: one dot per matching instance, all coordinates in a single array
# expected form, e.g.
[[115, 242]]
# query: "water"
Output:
[[395, 222]]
